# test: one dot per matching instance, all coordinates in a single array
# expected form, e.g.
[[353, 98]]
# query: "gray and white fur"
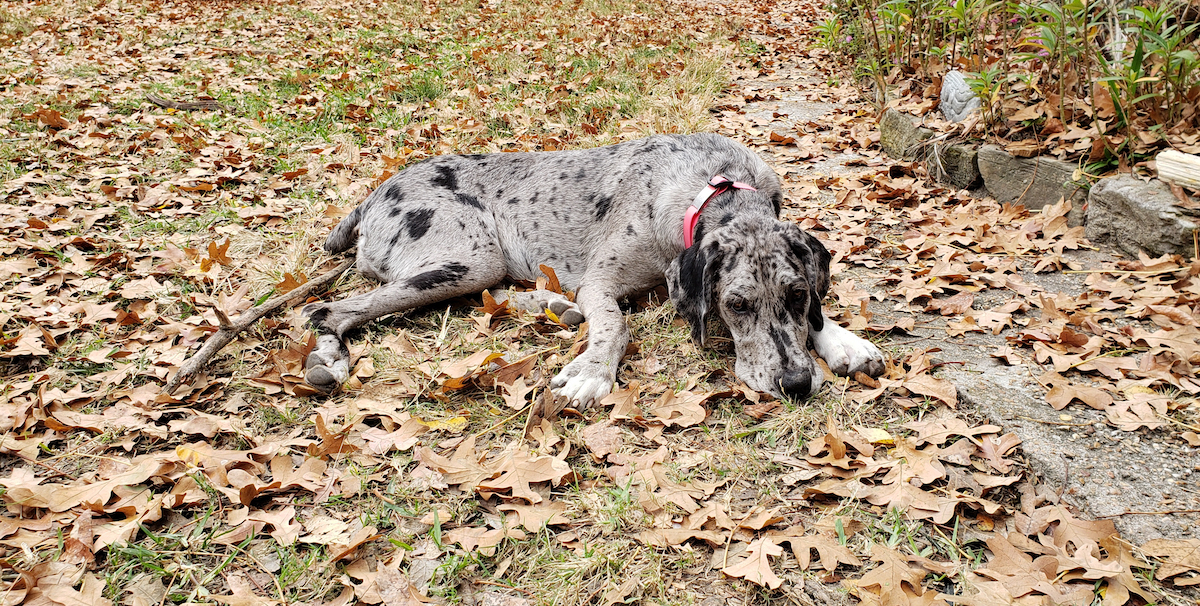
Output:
[[609, 221]]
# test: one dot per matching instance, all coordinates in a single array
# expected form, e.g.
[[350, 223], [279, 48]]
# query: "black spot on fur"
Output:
[[418, 221], [394, 211], [533, 200], [451, 273], [777, 202], [815, 257], [563, 175], [603, 205], [725, 219], [474, 156], [446, 178], [581, 174], [692, 280], [513, 200], [781, 340], [629, 230], [317, 320], [469, 200]]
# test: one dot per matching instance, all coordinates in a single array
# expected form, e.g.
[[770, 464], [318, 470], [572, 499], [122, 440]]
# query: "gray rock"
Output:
[[1036, 182], [898, 136], [953, 163], [1133, 215], [958, 100], [947, 163]]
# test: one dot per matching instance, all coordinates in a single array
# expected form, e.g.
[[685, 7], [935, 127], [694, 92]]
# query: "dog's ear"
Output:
[[815, 258], [692, 282]]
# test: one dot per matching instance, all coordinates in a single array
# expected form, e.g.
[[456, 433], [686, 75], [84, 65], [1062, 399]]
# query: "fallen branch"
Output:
[[228, 331], [203, 104], [1148, 513]]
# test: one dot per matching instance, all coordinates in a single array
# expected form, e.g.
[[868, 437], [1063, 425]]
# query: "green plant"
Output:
[[830, 32], [988, 85]]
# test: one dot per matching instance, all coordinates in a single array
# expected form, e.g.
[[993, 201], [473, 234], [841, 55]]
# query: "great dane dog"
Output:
[[699, 212]]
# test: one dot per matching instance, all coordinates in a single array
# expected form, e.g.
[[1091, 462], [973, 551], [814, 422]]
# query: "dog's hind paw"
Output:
[[846, 353], [537, 301], [583, 383], [328, 365], [568, 313]]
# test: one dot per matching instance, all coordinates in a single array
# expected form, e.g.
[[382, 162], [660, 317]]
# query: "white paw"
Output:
[[568, 313], [847, 353], [583, 383], [537, 301], [328, 365]]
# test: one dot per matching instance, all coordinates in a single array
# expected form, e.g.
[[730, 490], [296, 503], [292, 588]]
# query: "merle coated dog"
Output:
[[698, 212]]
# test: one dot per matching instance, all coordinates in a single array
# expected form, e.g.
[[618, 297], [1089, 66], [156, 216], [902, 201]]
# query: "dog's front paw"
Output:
[[847, 353], [583, 382], [328, 364]]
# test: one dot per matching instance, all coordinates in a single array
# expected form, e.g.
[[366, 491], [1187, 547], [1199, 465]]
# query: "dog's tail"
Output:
[[345, 234]]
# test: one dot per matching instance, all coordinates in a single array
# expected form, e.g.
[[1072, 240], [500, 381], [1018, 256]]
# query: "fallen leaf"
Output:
[[756, 568]]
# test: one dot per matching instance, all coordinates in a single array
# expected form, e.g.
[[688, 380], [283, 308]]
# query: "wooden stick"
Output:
[[1149, 513], [184, 105], [229, 330]]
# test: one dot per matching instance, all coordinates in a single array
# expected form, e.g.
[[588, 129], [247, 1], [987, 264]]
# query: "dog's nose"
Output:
[[798, 384]]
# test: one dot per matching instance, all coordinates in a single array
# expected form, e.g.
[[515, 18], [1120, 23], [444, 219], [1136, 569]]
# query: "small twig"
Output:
[[167, 591], [379, 495], [911, 341], [1149, 513], [1179, 423], [225, 335], [506, 420], [57, 471], [204, 104], [1128, 272], [1066, 476], [1055, 422]]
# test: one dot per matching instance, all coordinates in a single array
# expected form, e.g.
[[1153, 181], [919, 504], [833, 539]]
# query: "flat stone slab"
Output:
[[1135, 215], [899, 136], [951, 163], [1036, 182]]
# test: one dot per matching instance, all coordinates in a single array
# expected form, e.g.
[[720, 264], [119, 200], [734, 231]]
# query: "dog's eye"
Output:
[[798, 297], [737, 305]]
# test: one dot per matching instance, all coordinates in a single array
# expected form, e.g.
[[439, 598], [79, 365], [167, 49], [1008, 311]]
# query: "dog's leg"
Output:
[[845, 352], [590, 376], [537, 301], [328, 365]]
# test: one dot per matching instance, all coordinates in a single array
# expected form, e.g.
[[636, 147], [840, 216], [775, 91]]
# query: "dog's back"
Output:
[[560, 209]]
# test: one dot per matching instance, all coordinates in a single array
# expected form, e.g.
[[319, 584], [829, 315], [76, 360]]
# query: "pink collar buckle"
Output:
[[717, 185]]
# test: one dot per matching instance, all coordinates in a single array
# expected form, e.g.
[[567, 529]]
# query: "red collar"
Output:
[[716, 185]]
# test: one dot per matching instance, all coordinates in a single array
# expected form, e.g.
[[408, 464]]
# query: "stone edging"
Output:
[[1129, 213]]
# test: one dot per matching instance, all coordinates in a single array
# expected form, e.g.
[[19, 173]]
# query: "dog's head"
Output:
[[766, 279]]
